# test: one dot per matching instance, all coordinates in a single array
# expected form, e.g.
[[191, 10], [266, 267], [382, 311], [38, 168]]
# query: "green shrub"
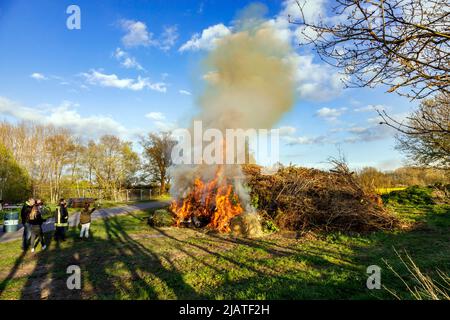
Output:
[[270, 226], [16, 183], [161, 218], [414, 195]]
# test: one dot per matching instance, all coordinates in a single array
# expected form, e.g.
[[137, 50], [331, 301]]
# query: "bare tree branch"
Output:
[[404, 44]]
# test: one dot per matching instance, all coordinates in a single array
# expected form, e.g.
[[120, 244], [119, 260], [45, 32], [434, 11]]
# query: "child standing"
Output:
[[85, 220]]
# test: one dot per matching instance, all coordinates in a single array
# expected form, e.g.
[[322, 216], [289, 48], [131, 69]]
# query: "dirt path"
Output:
[[49, 225]]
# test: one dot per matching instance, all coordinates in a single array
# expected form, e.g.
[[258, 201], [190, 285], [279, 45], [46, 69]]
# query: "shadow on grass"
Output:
[[264, 280], [428, 244], [99, 259], [117, 266], [12, 272]]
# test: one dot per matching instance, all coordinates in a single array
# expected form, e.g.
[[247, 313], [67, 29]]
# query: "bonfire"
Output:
[[212, 202]]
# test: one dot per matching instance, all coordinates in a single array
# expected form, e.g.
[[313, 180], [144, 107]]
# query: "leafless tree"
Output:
[[425, 135], [400, 43], [113, 162], [157, 151], [59, 149]]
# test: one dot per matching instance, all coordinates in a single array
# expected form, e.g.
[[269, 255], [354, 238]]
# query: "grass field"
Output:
[[126, 259]]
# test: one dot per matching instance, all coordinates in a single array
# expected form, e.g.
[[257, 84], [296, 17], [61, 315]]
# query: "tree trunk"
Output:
[[162, 189]]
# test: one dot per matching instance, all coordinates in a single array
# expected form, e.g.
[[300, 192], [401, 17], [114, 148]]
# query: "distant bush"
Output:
[[161, 218], [414, 195], [15, 181]]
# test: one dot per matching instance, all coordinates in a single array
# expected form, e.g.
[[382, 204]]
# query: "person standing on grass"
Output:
[[36, 221], [41, 209], [25, 215], [85, 220], [61, 221]]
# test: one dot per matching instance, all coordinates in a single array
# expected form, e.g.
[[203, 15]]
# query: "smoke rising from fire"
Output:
[[249, 84]]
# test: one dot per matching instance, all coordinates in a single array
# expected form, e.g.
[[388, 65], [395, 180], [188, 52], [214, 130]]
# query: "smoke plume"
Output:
[[248, 84]]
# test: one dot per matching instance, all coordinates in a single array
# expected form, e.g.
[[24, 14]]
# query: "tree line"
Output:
[[372, 178], [43, 161]]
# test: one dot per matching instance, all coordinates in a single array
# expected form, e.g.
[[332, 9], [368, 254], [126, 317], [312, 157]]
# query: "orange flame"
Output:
[[215, 200]]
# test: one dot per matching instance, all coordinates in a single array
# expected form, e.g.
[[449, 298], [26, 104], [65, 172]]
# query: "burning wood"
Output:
[[214, 202]]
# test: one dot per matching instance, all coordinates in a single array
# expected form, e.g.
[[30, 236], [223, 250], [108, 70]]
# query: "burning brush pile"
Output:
[[219, 204], [301, 199], [210, 203]]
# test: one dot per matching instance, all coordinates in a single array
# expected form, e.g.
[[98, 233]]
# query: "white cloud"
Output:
[[168, 38], [287, 131], [130, 62], [111, 80], [287, 134], [126, 60], [137, 34], [160, 122], [207, 40], [368, 134], [164, 126], [185, 92], [302, 140], [315, 81], [369, 108], [399, 117], [11, 108], [330, 114], [38, 76], [64, 116], [312, 10], [281, 28], [357, 130], [157, 116]]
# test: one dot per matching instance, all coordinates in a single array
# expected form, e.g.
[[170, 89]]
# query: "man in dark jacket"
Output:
[[61, 220], [25, 215]]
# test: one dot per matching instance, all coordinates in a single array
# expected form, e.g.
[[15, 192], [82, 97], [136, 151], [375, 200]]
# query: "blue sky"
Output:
[[135, 67]]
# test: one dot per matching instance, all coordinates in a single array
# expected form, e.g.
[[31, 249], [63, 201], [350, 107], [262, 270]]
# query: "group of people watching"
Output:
[[32, 219]]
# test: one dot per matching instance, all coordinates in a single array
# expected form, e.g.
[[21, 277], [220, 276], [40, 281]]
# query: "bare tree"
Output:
[[157, 151], [400, 43], [59, 149], [425, 135], [113, 162]]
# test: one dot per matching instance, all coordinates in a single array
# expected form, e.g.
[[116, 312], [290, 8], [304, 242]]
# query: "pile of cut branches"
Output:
[[309, 199]]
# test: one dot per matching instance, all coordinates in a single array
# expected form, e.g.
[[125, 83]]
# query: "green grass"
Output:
[[127, 259], [414, 195]]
